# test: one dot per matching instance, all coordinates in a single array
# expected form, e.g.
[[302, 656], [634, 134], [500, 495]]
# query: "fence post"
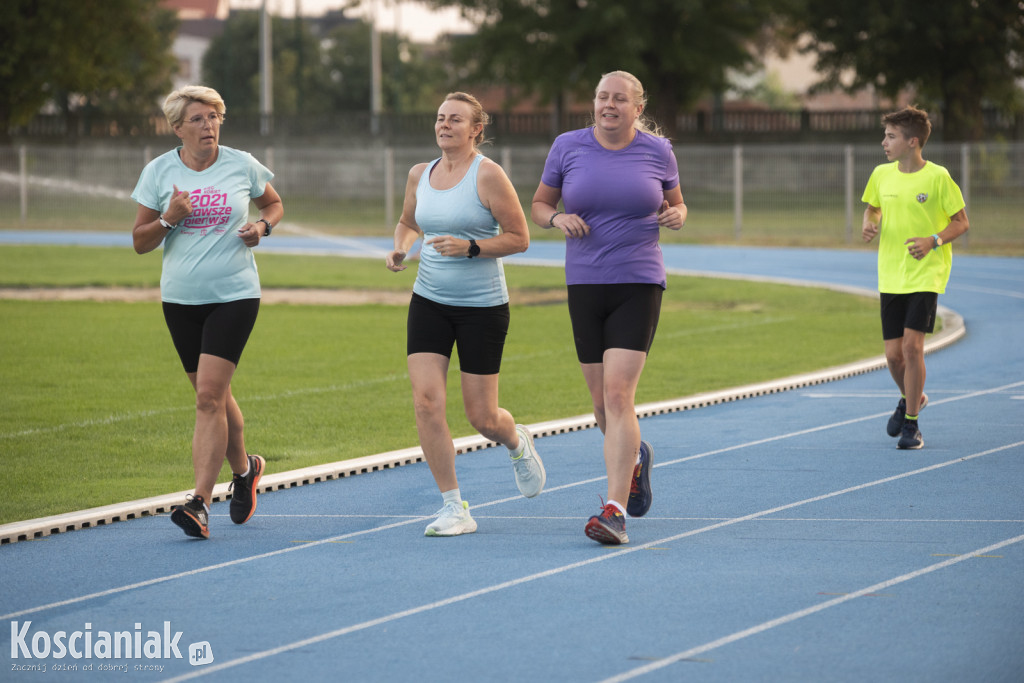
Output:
[[389, 186], [23, 181], [737, 189], [506, 160], [965, 180], [848, 154]]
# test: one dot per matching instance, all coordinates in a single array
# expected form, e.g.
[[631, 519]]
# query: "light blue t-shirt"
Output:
[[457, 212], [205, 261]]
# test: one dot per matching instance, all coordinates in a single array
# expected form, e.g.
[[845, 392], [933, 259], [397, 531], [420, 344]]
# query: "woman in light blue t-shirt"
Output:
[[469, 216], [194, 200]]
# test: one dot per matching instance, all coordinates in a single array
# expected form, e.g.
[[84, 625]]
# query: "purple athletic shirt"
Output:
[[618, 194]]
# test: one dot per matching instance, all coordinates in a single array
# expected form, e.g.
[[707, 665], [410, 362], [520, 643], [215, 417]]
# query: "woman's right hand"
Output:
[[571, 225], [180, 206], [394, 261]]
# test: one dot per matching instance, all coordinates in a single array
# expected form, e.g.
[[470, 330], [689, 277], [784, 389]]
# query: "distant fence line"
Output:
[[509, 128], [787, 194]]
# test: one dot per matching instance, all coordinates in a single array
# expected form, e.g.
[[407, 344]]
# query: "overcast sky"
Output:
[[412, 19]]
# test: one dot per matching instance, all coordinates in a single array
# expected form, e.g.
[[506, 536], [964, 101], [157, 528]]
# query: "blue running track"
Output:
[[789, 540]]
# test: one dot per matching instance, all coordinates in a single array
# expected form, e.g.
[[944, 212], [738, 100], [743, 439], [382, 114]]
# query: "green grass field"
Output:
[[95, 408]]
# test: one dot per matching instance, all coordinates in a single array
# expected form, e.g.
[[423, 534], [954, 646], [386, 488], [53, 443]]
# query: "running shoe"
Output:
[[452, 520], [243, 490], [895, 426], [640, 495], [192, 517], [609, 527], [910, 437], [528, 467]]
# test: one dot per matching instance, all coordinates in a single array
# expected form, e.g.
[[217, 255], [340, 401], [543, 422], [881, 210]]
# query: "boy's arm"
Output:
[[920, 246], [872, 218]]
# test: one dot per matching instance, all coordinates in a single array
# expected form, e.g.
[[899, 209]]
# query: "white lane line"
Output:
[[800, 614], [329, 635]]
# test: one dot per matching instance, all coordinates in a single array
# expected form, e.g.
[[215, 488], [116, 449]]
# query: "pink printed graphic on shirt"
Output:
[[210, 210]]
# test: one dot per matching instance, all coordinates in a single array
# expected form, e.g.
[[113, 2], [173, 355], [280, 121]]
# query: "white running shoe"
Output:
[[452, 520], [530, 474]]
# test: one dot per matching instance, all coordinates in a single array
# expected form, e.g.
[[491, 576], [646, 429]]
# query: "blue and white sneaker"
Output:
[[528, 467], [452, 520]]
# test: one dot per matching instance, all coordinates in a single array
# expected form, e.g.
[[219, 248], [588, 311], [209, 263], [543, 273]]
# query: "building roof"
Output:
[[198, 9]]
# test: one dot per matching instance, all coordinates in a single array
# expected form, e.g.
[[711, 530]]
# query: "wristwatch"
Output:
[[169, 226], [937, 241], [474, 249], [265, 222]]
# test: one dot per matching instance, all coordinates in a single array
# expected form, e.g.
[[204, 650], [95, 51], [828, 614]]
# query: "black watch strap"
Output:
[[270, 227]]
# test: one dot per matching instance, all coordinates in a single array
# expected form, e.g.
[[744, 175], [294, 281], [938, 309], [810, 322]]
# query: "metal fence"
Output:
[[804, 194]]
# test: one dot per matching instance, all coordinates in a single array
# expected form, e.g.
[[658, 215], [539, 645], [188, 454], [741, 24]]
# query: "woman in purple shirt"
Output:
[[619, 183]]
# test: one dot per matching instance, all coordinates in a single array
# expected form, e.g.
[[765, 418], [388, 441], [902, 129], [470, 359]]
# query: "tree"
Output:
[[231, 66], [316, 77], [83, 53], [681, 50], [957, 56]]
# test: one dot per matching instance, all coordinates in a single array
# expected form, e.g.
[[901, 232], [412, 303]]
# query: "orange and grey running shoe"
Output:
[[243, 490], [192, 517]]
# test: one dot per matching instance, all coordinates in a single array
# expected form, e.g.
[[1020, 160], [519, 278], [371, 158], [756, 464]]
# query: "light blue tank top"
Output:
[[457, 212]]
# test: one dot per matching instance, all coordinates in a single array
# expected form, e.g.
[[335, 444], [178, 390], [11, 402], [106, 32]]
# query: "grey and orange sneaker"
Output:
[[192, 517], [243, 490], [609, 527]]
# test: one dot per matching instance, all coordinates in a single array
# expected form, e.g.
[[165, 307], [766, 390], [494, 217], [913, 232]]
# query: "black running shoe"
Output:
[[243, 490], [192, 517], [609, 527], [910, 438], [895, 425], [640, 495]]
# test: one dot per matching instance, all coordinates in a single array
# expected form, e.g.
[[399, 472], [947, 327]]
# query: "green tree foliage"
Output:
[[680, 50], [317, 77], [231, 66], [955, 55], [410, 80], [109, 54]]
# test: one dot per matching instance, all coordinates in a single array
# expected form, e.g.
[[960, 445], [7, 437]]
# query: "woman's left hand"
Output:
[[446, 245], [670, 217], [250, 234]]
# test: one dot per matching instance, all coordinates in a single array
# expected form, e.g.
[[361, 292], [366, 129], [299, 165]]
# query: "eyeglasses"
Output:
[[213, 118]]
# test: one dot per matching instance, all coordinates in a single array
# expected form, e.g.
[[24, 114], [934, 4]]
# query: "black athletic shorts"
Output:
[[216, 329], [478, 331], [620, 316], [914, 311]]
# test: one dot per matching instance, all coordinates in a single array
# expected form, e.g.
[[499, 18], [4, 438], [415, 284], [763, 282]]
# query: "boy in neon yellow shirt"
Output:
[[917, 211]]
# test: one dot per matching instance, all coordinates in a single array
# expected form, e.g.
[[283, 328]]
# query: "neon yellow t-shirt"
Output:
[[913, 205]]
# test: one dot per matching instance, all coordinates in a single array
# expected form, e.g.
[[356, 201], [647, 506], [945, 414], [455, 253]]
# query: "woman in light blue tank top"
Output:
[[469, 215]]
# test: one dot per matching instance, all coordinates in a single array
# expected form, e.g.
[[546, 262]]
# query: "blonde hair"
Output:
[[642, 122], [478, 114], [178, 101]]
